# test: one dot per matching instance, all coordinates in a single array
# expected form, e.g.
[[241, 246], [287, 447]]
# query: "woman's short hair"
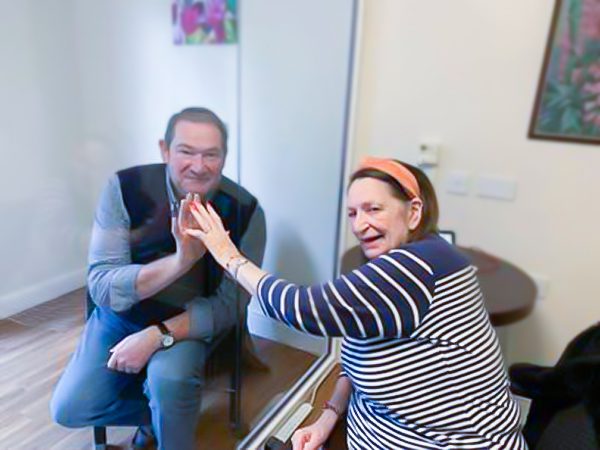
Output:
[[430, 213]]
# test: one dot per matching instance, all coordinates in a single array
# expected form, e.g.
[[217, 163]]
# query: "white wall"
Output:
[[40, 129], [87, 89], [466, 72], [134, 78]]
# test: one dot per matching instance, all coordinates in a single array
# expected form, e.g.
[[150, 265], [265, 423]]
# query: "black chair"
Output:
[[219, 360], [565, 408], [570, 429]]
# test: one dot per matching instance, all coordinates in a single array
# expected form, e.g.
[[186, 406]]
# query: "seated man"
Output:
[[160, 298]]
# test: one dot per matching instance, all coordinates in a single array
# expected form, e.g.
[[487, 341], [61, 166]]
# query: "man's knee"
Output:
[[73, 403], [66, 412], [175, 378], [173, 391]]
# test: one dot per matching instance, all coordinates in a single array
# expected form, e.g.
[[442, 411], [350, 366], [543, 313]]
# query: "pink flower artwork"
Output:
[[204, 21]]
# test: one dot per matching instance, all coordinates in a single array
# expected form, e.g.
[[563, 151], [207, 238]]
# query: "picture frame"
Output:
[[567, 103]]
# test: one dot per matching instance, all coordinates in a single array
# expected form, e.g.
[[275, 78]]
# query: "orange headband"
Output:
[[396, 170]]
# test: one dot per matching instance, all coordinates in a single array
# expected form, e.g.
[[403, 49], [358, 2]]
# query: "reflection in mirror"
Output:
[[89, 98]]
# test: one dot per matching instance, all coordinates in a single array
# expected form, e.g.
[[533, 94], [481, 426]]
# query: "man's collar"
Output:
[[170, 188]]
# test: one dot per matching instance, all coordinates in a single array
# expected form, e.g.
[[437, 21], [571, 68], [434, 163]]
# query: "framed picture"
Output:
[[204, 21], [567, 104]]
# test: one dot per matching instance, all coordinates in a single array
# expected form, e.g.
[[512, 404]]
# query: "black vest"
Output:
[[146, 200]]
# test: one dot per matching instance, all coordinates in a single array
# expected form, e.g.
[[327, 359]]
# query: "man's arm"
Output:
[[159, 274], [111, 274], [113, 279], [204, 318]]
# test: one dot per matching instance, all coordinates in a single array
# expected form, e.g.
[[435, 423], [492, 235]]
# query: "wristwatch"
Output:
[[167, 339]]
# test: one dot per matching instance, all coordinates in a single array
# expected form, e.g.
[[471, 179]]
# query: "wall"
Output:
[[40, 129], [134, 78], [466, 72], [87, 89]]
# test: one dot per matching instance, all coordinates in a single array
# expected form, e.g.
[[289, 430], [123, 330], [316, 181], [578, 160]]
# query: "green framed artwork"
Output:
[[567, 104]]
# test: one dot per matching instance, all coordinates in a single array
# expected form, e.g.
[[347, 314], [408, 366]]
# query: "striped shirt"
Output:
[[422, 356]]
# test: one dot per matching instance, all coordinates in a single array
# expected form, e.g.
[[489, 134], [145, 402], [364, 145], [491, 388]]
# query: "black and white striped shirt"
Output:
[[424, 361]]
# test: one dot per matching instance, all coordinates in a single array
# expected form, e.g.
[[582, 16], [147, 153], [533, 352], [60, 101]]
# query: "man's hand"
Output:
[[154, 276], [189, 250], [132, 354]]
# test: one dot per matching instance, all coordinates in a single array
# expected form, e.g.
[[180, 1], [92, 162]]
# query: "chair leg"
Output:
[[100, 438]]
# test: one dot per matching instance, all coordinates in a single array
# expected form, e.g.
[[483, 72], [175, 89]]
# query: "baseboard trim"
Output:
[[265, 327], [17, 301]]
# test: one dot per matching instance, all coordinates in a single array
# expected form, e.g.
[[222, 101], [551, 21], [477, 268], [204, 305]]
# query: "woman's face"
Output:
[[380, 221]]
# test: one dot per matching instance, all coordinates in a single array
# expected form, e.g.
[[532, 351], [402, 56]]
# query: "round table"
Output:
[[508, 292]]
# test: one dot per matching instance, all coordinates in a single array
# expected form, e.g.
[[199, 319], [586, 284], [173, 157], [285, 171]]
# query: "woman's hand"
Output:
[[315, 435], [212, 233], [215, 237]]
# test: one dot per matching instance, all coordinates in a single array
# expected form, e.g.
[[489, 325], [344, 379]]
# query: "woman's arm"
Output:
[[217, 241], [316, 434], [388, 297]]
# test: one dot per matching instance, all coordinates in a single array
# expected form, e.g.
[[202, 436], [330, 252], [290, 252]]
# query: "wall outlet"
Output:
[[542, 283], [429, 153]]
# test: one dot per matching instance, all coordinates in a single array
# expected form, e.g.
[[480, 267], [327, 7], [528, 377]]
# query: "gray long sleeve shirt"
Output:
[[112, 275]]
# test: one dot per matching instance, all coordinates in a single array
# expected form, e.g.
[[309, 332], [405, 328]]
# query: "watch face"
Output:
[[167, 340]]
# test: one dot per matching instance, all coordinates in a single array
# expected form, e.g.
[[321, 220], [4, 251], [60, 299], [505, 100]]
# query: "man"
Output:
[[160, 300]]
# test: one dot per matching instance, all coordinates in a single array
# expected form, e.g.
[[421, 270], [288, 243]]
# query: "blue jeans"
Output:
[[167, 394]]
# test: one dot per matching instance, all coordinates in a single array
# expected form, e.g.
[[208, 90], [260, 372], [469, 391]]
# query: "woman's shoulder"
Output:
[[441, 257]]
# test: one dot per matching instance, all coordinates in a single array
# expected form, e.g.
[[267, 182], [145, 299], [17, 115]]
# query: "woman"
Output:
[[422, 367]]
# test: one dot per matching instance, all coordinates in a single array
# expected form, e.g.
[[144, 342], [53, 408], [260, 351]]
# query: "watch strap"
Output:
[[163, 328]]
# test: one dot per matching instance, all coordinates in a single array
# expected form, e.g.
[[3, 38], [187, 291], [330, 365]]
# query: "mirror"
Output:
[[89, 92]]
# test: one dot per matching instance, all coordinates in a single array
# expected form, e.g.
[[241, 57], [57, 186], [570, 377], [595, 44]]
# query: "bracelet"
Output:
[[234, 263], [332, 407], [231, 258]]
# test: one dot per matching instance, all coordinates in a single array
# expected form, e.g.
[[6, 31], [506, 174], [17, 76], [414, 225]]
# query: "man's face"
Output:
[[195, 157]]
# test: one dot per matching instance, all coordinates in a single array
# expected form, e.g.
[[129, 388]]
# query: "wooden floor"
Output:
[[35, 346]]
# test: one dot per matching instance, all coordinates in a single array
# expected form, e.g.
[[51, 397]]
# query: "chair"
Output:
[[565, 408], [569, 429], [236, 340]]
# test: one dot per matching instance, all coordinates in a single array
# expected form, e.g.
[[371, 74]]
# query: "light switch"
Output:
[[457, 182], [491, 186]]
